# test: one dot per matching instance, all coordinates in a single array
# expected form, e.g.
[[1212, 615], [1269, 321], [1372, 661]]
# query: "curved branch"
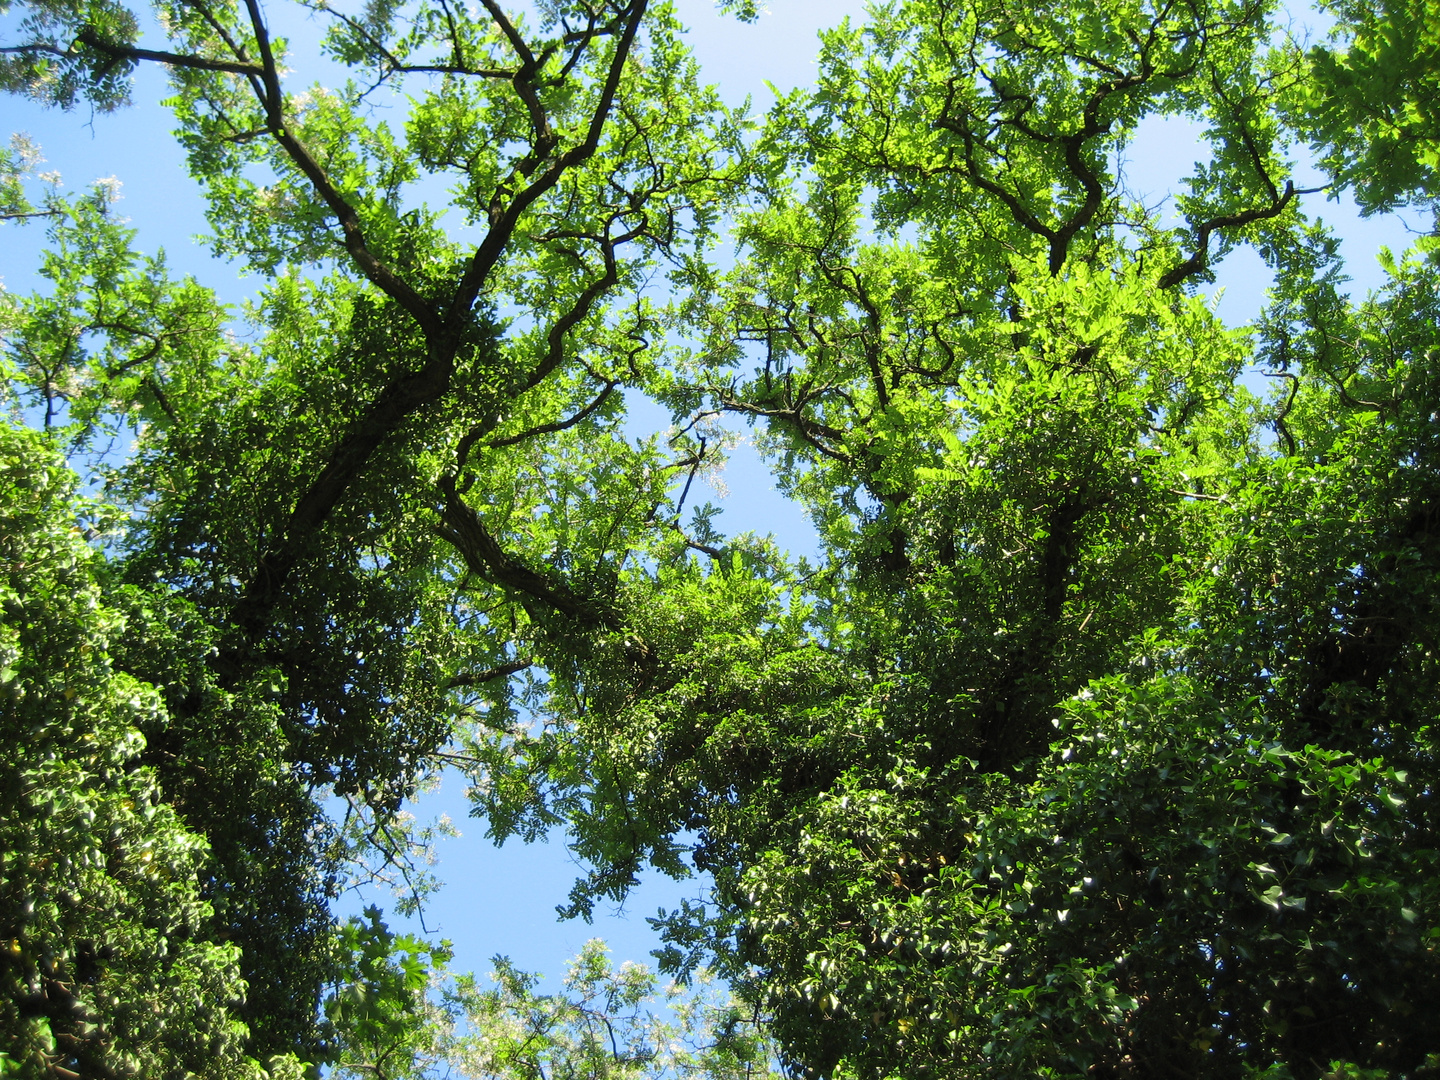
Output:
[[810, 430], [356, 246], [503, 222], [463, 530], [1281, 416], [479, 678], [268, 91], [558, 425], [1197, 263]]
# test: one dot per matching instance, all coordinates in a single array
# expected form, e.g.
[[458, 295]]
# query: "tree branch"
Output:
[[1197, 262], [810, 430], [479, 678], [503, 222], [462, 528], [376, 271], [395, 404], [559, 425], [88, 37]]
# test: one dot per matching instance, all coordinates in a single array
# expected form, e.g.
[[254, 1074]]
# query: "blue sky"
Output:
[[503, 900]]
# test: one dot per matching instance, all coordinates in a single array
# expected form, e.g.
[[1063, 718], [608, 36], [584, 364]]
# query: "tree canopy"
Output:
[[1098, 737]]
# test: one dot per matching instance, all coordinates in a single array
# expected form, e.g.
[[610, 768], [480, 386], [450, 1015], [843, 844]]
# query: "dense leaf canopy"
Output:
[[107, 967], [1097, 738]]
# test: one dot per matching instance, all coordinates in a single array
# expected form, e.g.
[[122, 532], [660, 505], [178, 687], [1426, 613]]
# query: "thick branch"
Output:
[[462, 528], [356, 246], [404, 396], [480, 678], [523, 78], [395, 404], [90, 38]]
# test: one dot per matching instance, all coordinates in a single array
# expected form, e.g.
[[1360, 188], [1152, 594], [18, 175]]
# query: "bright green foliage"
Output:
[[50, 71], [116, 341], [398, 1016], [383, 1022], [17, 161], [84, 355], [106, 969]]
